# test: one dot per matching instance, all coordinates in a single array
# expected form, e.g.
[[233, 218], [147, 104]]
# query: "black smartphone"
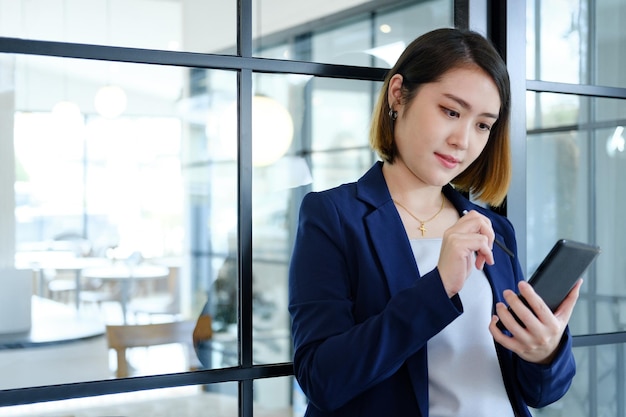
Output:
[[558, 272]]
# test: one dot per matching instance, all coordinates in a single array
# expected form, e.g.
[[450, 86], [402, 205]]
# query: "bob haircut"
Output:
[[426, 60]]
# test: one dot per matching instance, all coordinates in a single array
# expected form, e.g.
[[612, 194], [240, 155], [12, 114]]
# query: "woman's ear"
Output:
[[394, 92]]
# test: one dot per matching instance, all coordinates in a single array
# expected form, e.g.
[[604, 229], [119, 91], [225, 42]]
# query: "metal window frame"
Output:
[[502, 21]]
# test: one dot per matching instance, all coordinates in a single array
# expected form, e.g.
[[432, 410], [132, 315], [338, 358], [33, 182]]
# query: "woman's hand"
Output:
[[539, 340], [469, 242]]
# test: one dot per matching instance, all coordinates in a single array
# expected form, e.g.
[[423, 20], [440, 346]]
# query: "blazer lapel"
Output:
[[393, 249], [386, 231]]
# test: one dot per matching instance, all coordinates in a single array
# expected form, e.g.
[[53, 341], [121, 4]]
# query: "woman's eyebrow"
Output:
[[467, 106]]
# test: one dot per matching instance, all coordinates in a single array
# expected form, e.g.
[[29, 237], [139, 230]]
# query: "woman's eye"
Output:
[[484, 126], [450, 113]]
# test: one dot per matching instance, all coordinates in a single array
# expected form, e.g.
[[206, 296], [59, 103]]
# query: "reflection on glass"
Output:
[[556, 47], [125, 219], [210, 170], [333, 168], [571, 195], [610, 287], [363, 39], [207, 26], [330, 146], [278, 172], [559, 33], [562, 111], [548, 110], [558, 206], [341, 113], [610, 42]]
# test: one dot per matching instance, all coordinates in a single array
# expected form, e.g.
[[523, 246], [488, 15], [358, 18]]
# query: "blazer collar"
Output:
[[372, 189], [386, 230]]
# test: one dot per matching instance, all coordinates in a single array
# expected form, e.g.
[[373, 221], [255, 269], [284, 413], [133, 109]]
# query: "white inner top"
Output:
[[464, 377]]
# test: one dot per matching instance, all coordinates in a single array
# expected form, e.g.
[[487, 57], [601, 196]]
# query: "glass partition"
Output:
[[126, 212], [571, 153], [578, 42], [597, 390], [609, 43], [326, 123], [207, 26], [366, 38]]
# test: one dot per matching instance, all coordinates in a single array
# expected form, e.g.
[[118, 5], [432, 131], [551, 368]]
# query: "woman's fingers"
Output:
[[465, 245], [479, 230], [537, 337]]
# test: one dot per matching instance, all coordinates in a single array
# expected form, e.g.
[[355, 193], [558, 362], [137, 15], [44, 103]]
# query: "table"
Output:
[[58, 261], [126, 275]]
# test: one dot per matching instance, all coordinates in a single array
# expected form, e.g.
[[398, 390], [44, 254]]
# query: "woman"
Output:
[[395, 283]]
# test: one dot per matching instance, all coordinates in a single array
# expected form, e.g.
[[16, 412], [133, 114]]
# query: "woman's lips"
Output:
[[447, 160]]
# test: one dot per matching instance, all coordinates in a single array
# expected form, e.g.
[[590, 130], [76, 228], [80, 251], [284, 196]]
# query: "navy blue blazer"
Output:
[[362, 312]]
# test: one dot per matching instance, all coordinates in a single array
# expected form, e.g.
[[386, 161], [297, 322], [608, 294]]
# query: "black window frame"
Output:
[[502, 21]]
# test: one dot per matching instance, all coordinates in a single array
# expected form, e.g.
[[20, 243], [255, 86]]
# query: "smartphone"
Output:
[[558, 272]]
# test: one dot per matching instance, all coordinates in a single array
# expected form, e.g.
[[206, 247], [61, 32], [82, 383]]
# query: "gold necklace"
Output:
[[422, 227]]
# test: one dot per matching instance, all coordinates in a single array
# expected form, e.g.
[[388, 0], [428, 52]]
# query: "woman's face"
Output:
[[446, 125]]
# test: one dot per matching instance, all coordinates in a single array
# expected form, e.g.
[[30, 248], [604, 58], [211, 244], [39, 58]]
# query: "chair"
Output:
[[165, 302], [123, 337]]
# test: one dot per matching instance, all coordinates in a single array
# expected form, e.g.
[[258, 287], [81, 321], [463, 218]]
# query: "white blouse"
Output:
[[464, 377]]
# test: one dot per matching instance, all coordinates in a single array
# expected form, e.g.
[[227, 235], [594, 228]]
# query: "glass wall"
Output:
[[153, 171], [207, 26], [141, 172], [575, 145]]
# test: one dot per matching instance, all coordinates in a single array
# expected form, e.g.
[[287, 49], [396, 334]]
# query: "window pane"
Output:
[[556, 33], [363, 38], [330, 145], [184, 25], [547, 110], [341, 114], [331, 169], [598, 387], [559, 34], [610, 291], [610, 43], [126, 218], [273, 397], [571, 195], [277, 117], [558, 198], [209, 162]]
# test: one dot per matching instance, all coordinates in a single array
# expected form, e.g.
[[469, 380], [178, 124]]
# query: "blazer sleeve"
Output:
[[542, 385], [535, 385], [338, 357]]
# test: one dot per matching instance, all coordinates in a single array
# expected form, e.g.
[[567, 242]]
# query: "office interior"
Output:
[[153, 154]]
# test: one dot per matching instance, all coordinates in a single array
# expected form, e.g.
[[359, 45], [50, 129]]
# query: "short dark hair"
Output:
[[426, 60]]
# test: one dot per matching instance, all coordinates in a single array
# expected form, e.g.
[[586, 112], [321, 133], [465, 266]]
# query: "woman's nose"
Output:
[[460, 137]]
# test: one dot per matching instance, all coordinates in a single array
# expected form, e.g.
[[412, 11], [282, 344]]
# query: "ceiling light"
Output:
[[388, 53], [272, 131], [67, 112], [110, 101]]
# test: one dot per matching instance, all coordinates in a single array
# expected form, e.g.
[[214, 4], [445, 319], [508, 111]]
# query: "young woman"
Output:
[[396, 285]]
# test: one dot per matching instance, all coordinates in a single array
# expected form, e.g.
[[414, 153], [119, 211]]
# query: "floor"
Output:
[[177, 402], [171, 402]]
